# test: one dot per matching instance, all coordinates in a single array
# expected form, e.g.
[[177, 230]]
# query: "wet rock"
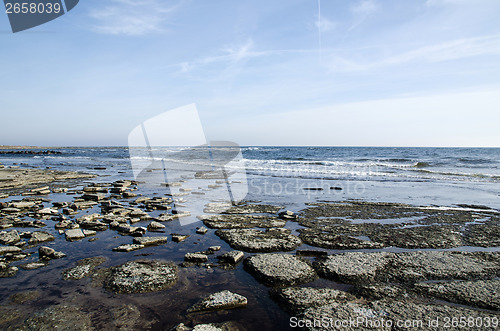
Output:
[[287, 215], [219, 301], [9, 238], [253, 209], [74, 234], [47, 253], [356, 267], [22, 204], [196, 257], [128, 248], [280, 269], [7, 270], [83, 268], [433, 236], [155, 226], [251, 240], [172, 217], [483, 235], [318, 238], [25, 296], [480, 293], [9, 249], [40, 237], [202, 230], [141, 276], [59, 318], [232, 257], [179, 237], [297, 299], [214, 248], [150, 241], [228, 221], [88, 233]]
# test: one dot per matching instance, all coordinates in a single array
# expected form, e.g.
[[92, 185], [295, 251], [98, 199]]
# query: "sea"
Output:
[[421, 176]]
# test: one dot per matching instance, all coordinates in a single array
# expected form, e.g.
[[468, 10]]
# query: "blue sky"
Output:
[[291, 72]]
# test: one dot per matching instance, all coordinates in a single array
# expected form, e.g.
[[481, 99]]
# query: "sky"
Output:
[[283, 72]]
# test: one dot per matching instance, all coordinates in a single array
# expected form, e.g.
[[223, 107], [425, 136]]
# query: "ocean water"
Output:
[[441, 176]]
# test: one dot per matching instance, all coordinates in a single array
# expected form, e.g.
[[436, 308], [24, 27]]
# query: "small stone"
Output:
[[9, 249], [46, 252], [202, 230], [128, 248], [232, 257], [74, 234], [10, 237], [195, 257], [150, 241], [214, 248], [33, 265], [154, 226], [179, 237]]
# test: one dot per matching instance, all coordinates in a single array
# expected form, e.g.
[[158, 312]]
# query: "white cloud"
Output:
[[451, 50], [127, 17], [361, 11]]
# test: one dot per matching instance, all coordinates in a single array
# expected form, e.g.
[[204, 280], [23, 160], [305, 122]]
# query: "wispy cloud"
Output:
[[129, 17], [447, 51]]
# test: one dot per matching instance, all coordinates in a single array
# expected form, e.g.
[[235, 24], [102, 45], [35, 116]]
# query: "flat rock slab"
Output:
[[251, 240], [128, 248], [433, 236], [225, 221], [227, 208], [480, 293], [74, 234], [141, 276], [297, 299], [322, 239], [40, 237], [150, 241], [379, 314], [483, 235], [232, 257], [83, 268], [13, 178], [280, 269], [357, 267], [196, 257], [219, 301], [9, 249]]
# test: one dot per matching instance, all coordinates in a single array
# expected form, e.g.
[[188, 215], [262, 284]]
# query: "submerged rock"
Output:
[[251, 240], [59, 318], [7, 270], [25, 296], [141, 276], [280, 269], [219, 301], [83, 268]]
